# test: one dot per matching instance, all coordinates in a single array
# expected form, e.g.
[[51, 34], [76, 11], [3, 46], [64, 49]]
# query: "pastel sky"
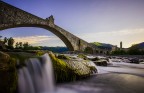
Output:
[[106, 21]]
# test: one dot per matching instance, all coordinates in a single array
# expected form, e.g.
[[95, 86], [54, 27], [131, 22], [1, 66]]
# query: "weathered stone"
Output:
[[79, 67]]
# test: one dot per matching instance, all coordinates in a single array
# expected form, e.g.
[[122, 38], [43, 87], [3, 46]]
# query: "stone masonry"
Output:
[[11, 17]]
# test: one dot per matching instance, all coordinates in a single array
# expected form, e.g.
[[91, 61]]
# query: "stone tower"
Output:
[[121, 45]]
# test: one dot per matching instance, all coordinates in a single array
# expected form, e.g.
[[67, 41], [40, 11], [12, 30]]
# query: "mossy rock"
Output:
[[101, 63], [79, 67], [61, 71], [60, 56], [83, 56], [8, 74]]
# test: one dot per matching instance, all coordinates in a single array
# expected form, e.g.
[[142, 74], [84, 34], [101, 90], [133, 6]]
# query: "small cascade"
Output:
[[36, 76]]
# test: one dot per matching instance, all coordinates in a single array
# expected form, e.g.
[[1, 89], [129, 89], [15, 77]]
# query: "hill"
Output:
[[55, 49], [138, 46], [103, 45]]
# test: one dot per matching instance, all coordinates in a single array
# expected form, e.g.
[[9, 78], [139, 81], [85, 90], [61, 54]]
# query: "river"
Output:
[[116, 78]]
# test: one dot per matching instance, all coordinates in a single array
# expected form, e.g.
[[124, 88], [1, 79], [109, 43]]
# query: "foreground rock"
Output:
[[79, 67], [8, 76], [66, 69]]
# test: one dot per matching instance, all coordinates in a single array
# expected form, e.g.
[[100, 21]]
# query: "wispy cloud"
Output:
[[35, 39], [128, 36]]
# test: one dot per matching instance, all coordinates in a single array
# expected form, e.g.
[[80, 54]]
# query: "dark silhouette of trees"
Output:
[[10, 43], [20, 45], [0, 38], [17, 45], [119, 52], [5, 41], [26, 45]]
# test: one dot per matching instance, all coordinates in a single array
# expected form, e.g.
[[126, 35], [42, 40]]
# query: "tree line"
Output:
[[130, 51], [9, 43]]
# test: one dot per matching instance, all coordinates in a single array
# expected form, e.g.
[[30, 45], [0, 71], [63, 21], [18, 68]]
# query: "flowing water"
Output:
[[36, 76]]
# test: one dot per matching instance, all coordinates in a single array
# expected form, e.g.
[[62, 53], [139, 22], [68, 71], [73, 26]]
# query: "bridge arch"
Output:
[[59, 35], [11, 17]]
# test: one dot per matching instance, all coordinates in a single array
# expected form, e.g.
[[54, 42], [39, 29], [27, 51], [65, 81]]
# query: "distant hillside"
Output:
[[139, 46], [55, 49], [103, 45]]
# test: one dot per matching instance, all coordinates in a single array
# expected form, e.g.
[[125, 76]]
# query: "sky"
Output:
[[105, 21]]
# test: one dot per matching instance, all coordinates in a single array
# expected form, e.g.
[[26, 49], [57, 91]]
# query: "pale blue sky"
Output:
[[107, 21]]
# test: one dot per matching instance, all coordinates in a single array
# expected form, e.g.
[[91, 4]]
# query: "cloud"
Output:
[[35, 39], [128, 36]]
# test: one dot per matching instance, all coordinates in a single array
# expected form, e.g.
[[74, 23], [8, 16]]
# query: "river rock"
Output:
[[79, 67], [4, 59], [8, 74]]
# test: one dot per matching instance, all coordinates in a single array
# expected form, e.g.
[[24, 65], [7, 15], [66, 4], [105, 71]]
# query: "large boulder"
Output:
[[66, 69], [79, 67], [3, 55], [8, 74], [4, 59]]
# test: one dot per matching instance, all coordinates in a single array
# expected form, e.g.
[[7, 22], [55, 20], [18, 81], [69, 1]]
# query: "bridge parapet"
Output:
[[50, 21], [14, 16]]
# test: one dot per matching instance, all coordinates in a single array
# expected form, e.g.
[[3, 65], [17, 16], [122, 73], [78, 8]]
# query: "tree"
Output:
[[26, 45], [0, 38], [20, 44], [119, 52], [5, 41], [10, 42], [17, 45]]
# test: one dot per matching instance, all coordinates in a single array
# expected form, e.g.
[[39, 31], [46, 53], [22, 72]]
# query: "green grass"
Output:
[[97, 43]]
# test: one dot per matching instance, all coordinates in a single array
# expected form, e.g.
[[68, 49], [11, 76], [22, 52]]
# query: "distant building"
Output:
[[114, 48]]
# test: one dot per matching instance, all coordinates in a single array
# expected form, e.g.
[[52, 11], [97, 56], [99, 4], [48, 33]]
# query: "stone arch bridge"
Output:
[[11, 17]]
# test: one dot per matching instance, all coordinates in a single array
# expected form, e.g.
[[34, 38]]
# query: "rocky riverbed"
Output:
[[112, 77], [116, 78]]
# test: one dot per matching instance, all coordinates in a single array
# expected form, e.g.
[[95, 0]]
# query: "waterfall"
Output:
[[36, 76]]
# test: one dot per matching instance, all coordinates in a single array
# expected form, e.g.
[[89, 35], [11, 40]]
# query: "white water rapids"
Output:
[[36, 76]]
